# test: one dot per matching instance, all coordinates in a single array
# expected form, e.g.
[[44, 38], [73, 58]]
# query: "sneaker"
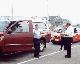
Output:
[[60, 49], [36, 56], [39, 55]]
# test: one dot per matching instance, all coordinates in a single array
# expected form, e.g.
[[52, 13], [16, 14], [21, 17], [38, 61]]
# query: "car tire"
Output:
[[42, 46]]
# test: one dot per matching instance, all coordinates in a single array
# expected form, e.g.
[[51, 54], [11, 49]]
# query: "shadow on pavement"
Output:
[[13, 57]]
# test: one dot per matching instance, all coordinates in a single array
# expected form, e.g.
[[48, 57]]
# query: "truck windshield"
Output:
[[3, 25], [41, 25]]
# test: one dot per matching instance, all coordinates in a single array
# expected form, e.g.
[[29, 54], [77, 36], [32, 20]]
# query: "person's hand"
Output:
[[42, 35], [63, 34]]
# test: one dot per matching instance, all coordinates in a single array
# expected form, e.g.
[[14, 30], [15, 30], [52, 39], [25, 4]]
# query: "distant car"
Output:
[[44, 29], [55, 38], [76, 36]]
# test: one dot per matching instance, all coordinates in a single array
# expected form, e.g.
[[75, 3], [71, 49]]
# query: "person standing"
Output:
[[64, 28], [36, 39], [67, 39]]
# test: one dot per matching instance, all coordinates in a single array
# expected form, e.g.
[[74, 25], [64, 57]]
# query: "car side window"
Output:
[[23, 27]]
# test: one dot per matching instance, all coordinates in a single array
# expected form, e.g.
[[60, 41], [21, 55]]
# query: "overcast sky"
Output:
[[68, 9]]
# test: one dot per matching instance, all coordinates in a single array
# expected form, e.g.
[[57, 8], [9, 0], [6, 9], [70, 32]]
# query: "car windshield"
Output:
[[41, 25], [58, 29], [3, 25]]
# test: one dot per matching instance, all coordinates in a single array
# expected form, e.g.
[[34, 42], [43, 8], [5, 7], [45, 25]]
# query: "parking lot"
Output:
[[51, 55]]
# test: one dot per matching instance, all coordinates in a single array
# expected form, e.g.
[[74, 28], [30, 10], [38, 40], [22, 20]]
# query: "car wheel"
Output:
[[42, 46], [53, 41]]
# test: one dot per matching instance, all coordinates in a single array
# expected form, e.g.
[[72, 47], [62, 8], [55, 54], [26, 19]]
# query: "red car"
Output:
[[76, 37], [56, 38]]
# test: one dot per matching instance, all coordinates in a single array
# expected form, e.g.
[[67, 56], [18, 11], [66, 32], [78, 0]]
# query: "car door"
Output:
[[21, 39]]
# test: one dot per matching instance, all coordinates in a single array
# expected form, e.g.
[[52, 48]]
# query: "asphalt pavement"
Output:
[[51, 55]]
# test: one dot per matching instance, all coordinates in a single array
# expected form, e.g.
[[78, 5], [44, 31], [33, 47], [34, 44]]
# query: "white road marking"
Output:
[[44, 55], [39, 57]]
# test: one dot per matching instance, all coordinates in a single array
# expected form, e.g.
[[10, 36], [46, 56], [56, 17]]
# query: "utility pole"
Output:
[[47, 12], [12, 13], [12, 10], [47, 8]]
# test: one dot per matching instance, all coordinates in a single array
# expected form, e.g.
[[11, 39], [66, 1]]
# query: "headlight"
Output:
[[1, 38]]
